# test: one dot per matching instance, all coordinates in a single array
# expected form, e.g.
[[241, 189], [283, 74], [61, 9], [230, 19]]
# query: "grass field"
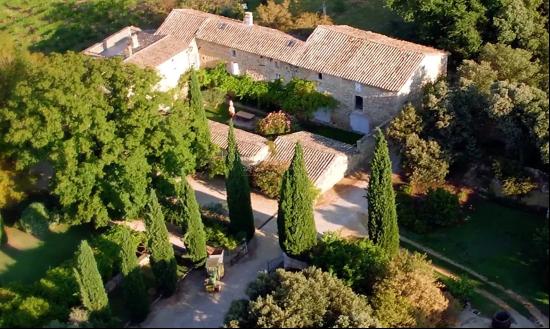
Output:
[[495, 242], [60, 25], [26, 258]]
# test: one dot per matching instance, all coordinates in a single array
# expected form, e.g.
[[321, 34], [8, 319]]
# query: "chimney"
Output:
[[248, 18], [129, 48], [135, 41]]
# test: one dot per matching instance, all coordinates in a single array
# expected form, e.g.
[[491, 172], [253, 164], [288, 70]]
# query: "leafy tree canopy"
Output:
[[97, 122]]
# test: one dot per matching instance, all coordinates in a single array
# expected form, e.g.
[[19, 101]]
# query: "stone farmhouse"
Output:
[[371, 75]]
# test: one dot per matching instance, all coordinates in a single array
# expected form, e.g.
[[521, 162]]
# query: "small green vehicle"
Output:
[[214, 271]]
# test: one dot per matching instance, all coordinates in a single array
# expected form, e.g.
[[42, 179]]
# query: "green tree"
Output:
[[3, 235], [455, 25], [238, 190], [308, 299], [195, 237], [92, 291], [358, 263], [104, 135], [406, 123], [425, 163], [382, 222], [133, 286], [410, 296], [202, 145], [163, 262], [295, 221]]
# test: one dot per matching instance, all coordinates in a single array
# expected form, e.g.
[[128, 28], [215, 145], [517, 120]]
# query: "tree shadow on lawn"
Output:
[[82, 23], [30, 264]]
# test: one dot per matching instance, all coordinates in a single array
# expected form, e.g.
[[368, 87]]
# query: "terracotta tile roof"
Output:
[[320, 153], [249, 144], [366, 57]]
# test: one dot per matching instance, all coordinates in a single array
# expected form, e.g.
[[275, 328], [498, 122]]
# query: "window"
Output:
[[234, 53], [358, 87], [358, 103], [277, 76], [290, 43], [320, 76]]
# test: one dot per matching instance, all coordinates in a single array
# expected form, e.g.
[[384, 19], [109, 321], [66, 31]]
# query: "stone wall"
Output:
[[379, 106], [171, 70]]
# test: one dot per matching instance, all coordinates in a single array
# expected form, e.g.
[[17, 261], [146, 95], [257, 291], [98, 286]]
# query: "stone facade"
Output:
[[378, 105]]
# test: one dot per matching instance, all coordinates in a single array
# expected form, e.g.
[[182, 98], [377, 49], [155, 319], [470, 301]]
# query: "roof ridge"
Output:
[[380, 35]]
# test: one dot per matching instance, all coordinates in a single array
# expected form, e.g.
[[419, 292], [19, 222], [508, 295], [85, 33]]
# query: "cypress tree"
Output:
[[92, 292], [382, 221], [238, 190], [195, 237], [3, 235], [133, 286], [163, 262], [202, 145], [295, 220]]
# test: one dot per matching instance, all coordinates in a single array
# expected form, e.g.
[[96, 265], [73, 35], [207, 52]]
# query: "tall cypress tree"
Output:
[[3, 235], [92, 292], [133, 286], [295, 220], [163, 262], [195, 237], [238, 190], [202, 145], [382, 222]]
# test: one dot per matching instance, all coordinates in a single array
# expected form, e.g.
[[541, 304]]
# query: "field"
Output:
[[59, 25], [25, 259], [495, 242]]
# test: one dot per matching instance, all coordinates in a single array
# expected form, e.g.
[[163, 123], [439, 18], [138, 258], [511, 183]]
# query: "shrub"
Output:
[[358, 263], [216, 227], [31, 313], [216, 166], [461, 288], [308, 299], [441, 208], [425, 164], [517, 186], [275, 123], [34, 219], [267, 177], [410, 295]]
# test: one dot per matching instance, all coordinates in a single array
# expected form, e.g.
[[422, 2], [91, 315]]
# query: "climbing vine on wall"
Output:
[[298, 97]]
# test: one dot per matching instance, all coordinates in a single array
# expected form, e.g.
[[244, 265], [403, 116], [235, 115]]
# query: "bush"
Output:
[[275, 123], [425, 164], [461, 288], [308, 299], [216, 226], [407, 213], [410, 295], [441, 208], [267, 177], [31, 313], [358, 263], [517, 186], [35, 219], [3, 234]]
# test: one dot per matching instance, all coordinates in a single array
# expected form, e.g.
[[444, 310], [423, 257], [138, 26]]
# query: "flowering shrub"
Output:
[[276, 123], [267, 177]]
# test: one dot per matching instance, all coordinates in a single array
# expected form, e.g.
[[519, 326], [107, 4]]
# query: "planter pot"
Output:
[[502, 319]]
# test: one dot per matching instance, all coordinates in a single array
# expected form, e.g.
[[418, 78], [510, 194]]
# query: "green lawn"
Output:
[[495, 242], [26, 258], [343, 136], [60, 25]]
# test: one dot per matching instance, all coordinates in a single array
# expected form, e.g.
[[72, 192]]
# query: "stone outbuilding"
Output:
[[369, 74], [252, 148], [327, 161]]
